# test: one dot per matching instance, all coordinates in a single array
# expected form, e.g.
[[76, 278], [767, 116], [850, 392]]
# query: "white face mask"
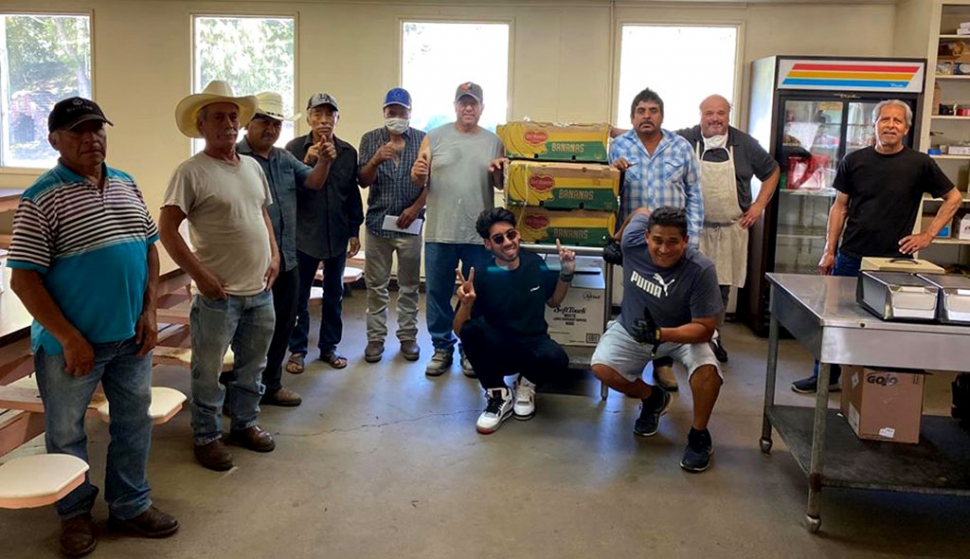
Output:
[[715, 142], [397, 125]]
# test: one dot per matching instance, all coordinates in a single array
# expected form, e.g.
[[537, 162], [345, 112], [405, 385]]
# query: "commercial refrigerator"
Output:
[[810, 112]]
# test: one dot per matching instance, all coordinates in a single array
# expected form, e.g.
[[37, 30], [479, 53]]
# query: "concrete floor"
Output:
[[382, 462]]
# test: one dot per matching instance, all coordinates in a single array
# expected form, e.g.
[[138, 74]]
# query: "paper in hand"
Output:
[[390, 224]]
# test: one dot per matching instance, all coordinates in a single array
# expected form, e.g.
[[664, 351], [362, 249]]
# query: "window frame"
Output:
[[510, 63], [244, 14], [34, 172], [737, 110]]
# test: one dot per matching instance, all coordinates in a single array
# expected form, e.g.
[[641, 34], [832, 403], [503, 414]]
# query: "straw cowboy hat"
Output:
[[218, 91], [271, 105]]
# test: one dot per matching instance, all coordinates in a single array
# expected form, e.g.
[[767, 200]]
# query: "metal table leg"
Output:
[[812, 516], [607, 313], [770, 377]]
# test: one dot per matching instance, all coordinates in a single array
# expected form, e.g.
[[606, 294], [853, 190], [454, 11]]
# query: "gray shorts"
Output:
[[619, 351]]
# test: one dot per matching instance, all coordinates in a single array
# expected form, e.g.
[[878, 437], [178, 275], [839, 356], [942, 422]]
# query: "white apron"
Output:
[[722, 238]]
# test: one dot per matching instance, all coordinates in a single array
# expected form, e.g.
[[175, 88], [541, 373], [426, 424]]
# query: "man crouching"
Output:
[[501, 320], [671, 302]]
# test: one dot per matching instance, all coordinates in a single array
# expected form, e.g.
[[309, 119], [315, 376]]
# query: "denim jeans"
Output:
[[284, 305], [331, 324], [846, 266], [127, 384], [246, 323], [440, 263]]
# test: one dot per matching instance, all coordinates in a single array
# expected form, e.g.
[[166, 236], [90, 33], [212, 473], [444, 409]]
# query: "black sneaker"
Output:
[[809, 385], [700, 449], [719, 352], [960, 407], [650, 411]]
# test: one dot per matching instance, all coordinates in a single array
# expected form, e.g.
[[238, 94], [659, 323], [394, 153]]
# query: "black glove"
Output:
[[612, 253], [645, 330]]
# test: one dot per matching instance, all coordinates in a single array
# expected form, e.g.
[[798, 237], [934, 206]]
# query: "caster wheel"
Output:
[[813, 524], [765, 446]]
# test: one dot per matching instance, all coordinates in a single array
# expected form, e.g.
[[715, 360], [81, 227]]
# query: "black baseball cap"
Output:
[[69, 113]]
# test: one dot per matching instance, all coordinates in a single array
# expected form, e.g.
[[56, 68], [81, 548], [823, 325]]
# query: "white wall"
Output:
[[561, 58]]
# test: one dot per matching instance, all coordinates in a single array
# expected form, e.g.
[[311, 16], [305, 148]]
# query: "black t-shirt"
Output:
[[514, 300], [884, 196]]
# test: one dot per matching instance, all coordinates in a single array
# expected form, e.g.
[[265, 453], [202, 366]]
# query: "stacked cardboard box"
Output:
[[559, 183]]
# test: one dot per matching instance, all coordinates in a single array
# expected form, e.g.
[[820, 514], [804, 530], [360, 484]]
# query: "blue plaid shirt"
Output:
[[392, 191], [671, 177]]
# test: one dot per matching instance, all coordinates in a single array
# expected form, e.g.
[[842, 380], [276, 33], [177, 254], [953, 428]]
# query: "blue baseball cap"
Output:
[[398, 96]]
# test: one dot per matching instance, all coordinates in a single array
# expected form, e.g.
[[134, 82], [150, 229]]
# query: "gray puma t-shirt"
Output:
[[675, 295]]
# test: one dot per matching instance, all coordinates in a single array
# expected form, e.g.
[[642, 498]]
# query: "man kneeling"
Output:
[[671, 302], [501, 320]]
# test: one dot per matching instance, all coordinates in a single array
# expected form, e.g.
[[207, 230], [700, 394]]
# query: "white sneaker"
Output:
[[497, 410], [525, 399]]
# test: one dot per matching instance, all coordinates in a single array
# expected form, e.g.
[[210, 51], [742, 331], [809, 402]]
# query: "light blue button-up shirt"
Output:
[[670, 177]]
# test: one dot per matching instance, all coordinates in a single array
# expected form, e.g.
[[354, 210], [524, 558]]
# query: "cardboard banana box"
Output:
[[563, 185], [556, 142], [576, 227]]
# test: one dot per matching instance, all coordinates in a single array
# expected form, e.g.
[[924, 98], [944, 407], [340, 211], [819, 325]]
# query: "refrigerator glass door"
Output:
[[859, 126], [811, 140]]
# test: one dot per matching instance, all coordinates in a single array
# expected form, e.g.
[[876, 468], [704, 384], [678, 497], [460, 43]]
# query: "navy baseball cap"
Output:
[[68, 113], [398, 96]]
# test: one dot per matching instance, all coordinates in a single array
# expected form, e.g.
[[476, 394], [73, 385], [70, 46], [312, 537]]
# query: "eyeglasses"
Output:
[[511, 235]]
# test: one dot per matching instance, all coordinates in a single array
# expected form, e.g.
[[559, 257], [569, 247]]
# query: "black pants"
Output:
[[495, 354], [285, 298]]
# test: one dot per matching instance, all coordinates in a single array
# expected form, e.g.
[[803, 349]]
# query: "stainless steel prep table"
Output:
[[822, 314], [579, 357]]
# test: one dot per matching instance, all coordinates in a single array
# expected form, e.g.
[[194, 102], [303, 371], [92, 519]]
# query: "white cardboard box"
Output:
[[964, 232], [578, 321]]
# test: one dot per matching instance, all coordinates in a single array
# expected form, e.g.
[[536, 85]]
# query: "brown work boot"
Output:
[[665, 377], [152, 523], [214, 456], [253, 438], [410, 350], [374, 351], [78, 537], [283, 397]]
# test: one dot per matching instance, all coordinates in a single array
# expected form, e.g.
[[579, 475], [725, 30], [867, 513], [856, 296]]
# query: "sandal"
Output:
[[334, 359], [295, 364]]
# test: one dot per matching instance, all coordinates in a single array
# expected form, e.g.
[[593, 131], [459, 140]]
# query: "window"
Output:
[[251, 54], [704, 65], [438, 57], [43, 59]]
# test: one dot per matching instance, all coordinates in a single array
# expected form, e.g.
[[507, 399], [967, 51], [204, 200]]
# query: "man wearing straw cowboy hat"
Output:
[[285, 174], [233, 265]]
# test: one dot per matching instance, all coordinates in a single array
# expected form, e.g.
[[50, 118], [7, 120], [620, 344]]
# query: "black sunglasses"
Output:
[[511, 235]]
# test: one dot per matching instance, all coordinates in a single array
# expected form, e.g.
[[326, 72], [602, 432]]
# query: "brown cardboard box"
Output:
[[882, 405]]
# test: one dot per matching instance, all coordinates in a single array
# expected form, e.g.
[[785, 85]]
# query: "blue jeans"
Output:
[[247, 324], [331, 323], [440, 263], [127, 382], [846, 266]]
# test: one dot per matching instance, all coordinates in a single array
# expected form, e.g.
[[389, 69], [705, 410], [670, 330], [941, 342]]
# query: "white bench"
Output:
[[166, 402], [36, 481]]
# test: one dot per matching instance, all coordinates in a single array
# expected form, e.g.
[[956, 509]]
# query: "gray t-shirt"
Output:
[[675, 295], [459, 188], [224, 203]]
